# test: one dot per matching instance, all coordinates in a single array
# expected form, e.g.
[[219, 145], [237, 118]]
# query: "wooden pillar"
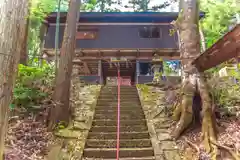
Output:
[[100, 72], [137, 72]]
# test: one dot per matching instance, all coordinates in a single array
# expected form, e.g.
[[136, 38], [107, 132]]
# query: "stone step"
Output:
[[110, 100], [106, 111], [115, 92], [111, 152], [129, 108], [127, 158], [112, 86], [105, 129], [115, 95], [135, 99], [122, 116], [121, 88], [104, 122], [114, 112], [114, 103], [123, 135], [127, 99], [133, 143]]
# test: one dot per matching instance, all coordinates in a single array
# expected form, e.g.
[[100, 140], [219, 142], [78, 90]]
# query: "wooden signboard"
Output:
[[86, 35]]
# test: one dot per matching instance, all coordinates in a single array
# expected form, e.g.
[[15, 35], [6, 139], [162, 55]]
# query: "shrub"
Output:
[[33, 84]]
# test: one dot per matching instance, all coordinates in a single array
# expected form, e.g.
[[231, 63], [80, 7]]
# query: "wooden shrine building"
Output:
[[135, 36]]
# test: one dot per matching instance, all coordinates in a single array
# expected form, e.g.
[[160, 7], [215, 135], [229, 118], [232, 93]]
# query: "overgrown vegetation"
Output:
[[33, 84], [225, 93], [219, 17]]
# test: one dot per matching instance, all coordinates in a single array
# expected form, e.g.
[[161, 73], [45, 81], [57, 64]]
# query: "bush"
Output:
[[33, 84], [225, 92]]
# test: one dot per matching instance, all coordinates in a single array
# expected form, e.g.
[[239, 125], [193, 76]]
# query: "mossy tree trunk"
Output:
[[13, 15], [192, 81], [61, 110]]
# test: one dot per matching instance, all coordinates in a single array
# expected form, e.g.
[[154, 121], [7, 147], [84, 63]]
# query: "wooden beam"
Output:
[[129, 58], [223, 50], [51, 51], [217, 58]]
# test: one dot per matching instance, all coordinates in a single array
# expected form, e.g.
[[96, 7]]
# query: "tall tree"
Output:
[[61, 111], [107, 5], [24, 51], [12, 24], [193, 83]]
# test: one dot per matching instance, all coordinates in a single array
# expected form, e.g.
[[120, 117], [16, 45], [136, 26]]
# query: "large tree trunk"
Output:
[[61, 111], [24, 50], [13, 15], [192, 81]]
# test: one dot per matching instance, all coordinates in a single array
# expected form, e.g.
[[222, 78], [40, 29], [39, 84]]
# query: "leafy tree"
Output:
[[107, 5], [38, 11], [144, 5], [219, 16], [193, 82]]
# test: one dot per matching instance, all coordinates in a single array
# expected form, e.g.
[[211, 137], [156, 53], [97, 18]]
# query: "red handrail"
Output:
[[118, 114]]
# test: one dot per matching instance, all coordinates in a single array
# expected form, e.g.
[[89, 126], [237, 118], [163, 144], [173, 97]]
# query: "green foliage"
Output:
[[144, 88], [31, 85], [225, 92], [39, 9], [167, 69], [219, 16], [145, 5]]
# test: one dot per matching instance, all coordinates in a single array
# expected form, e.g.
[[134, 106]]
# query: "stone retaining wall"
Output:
[[71, 140], [158, 123]]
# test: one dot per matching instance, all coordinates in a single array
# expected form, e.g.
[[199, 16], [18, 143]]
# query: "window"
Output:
[[155, 32], [150, 32]]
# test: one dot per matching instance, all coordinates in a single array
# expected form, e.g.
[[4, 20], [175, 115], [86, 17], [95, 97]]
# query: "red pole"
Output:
[[118, 114]]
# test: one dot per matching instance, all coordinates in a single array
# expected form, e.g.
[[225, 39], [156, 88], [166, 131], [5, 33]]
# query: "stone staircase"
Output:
[[135, 142]]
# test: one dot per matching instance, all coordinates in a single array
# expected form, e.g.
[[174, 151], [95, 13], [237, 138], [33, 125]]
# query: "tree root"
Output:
[[177, 112], [228, 149], [185, 112], [209, 122], [209, 134], [193, 146], [177, 108]]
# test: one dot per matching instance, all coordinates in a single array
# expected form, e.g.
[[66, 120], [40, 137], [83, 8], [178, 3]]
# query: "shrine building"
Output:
[[132, 36]]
